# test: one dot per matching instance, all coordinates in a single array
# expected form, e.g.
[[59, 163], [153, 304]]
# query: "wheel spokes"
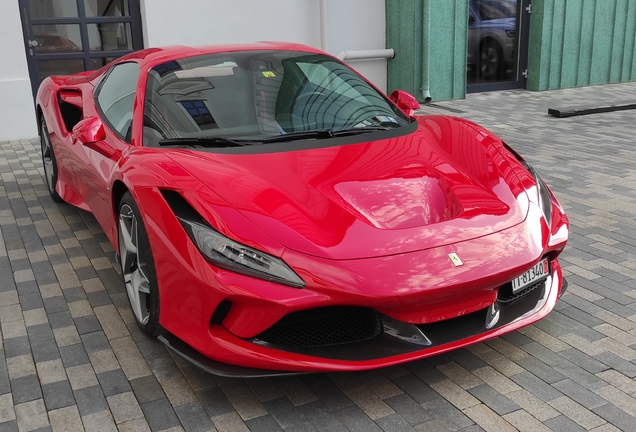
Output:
[[48, 171], [46, 144], [144, 282], [138, 288], [128, 246], [489, 61], [132, 264], [47, 159]]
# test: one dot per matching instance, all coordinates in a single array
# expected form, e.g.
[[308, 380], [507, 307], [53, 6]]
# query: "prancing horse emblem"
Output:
[[455, 259]]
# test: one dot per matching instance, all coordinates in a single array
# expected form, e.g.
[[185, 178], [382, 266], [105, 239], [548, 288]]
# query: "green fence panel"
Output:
[[447, 30], [602, 48], [630, 43], [588, 18], [618, 41], [581, 42], [404, 35], [571, 45], [557, 43]]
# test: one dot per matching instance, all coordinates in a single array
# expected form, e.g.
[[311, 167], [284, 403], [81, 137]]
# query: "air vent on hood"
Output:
[[180, 206]]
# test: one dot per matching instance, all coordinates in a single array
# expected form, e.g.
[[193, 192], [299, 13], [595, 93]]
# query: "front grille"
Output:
[[322, 327], [505, 294]]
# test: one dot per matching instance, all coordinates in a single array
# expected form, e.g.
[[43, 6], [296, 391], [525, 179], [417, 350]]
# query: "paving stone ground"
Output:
[[72, 359]]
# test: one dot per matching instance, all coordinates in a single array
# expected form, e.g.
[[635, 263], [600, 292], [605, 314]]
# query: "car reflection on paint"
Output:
[[51, 43], [491, 38]]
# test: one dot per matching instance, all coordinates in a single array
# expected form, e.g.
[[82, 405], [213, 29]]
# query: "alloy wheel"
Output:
[[489, 61], [47, 159], [133, 264]]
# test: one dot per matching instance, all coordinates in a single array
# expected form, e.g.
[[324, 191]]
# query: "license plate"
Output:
[[537, 272]]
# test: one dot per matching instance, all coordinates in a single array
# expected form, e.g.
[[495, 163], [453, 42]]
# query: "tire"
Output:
[[48, 161], [138, 267], [491, 63]]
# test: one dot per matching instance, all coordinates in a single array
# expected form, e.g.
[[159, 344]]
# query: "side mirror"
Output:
[[405, 101], [90, 130]]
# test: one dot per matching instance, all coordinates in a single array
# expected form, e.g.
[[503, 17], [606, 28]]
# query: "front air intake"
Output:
[[505, 294], [335, 325]]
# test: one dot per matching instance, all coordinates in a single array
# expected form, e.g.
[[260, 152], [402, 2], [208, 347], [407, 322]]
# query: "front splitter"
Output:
[[214, 367]]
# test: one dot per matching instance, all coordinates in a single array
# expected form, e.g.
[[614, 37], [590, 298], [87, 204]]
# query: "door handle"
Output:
[[33, 43]]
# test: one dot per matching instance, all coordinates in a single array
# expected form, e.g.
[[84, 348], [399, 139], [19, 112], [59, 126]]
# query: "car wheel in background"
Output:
[[137, 267], [490, 60]]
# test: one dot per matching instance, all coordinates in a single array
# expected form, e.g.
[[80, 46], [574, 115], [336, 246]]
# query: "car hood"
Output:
[[442, 184]]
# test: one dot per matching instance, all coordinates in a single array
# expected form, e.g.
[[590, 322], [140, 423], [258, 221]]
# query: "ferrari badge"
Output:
[[455, 259]]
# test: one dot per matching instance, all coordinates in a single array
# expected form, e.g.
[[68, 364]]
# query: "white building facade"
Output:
[[44, 37]]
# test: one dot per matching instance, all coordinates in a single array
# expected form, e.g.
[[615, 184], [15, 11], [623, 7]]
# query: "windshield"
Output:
[[255, 95]]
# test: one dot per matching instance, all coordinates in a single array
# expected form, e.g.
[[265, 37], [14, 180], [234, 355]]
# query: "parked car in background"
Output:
[[273, 212], [491, 38], [51, 43]]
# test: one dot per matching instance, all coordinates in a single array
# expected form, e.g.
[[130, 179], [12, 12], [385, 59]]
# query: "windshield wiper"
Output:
[[220, 142], [293, 136], [204, 142], [362, 129], [324, 133]]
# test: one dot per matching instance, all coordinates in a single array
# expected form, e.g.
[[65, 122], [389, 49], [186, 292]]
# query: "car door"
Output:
[[114, 101]]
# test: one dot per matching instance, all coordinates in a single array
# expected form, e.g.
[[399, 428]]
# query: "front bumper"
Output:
[[399, 342], [413, 289]]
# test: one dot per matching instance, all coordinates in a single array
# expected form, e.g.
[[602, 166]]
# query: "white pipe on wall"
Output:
[[367, 54], [344, 27]]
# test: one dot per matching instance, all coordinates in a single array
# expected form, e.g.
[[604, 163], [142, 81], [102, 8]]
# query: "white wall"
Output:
[[358, 25], [17, 112], [205, 22], [350, 25]]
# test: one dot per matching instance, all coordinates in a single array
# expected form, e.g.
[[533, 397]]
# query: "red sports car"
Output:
[[274, 212]]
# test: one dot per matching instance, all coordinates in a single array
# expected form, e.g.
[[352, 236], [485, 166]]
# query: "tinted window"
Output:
[[496, 9], [116, 95], [259, 94]]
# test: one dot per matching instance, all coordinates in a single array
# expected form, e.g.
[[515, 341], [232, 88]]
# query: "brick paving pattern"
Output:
[[72, 359]]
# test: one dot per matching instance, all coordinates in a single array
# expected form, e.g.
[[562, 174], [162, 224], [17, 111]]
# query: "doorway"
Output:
[[497, 52], [68, 36]]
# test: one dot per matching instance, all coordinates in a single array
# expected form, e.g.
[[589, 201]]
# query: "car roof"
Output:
[[150, 57]]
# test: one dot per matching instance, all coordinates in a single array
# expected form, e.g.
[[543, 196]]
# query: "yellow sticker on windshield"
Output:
[[268, 74]]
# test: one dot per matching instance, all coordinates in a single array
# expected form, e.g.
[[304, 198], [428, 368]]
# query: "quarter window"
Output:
[[116, 96]]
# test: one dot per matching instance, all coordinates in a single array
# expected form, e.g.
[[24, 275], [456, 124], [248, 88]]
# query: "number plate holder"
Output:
[[537, 272]]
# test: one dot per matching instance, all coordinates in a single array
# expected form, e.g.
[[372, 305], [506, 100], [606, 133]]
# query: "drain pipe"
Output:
[[426, 52], [367, 54], [324, 41]]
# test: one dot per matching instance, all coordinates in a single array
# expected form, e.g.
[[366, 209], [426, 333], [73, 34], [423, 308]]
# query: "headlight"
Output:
[[230, 255], [545, 201]]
